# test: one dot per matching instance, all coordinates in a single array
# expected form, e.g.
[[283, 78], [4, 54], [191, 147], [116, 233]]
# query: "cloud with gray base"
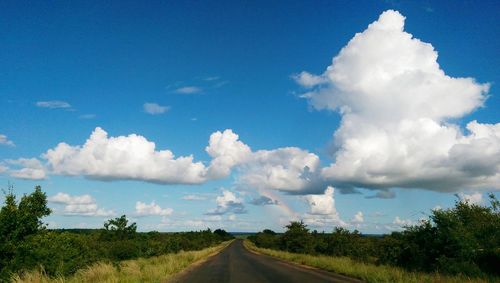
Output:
[[396, 104], [228, 202], [263, 200]]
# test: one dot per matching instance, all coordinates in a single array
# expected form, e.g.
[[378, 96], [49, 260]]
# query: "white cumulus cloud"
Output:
[[64, 198], [288, 169], [31, 169], [396, 103], [228, 202], [133, 157], [322, 211], [124, 157], [83, 205], [144, 209], [358, 217], [227, 151]]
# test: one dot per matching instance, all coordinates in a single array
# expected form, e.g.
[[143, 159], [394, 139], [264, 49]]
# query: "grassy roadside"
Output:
[[154, 269], [363, 271]]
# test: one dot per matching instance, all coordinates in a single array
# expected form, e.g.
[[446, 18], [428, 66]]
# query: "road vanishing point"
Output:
[[235, 264]]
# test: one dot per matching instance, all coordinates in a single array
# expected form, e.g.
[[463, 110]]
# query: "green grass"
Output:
[[364, 271], [154, 269]]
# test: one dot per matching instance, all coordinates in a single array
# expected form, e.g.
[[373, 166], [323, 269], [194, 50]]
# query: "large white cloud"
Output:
[[123, 157], [396, 105], [133, 157]]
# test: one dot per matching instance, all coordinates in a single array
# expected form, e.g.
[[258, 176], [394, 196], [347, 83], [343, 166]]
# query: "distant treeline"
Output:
[[464, 240], [25, 243]]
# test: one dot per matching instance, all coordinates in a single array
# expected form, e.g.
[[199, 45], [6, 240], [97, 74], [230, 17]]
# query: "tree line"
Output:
[[27, 244], [464, 239]]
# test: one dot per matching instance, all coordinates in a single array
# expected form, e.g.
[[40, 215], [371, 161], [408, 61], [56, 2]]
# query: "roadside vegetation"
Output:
[[365, 271], [29, 249], [153, 269], [453, 245]]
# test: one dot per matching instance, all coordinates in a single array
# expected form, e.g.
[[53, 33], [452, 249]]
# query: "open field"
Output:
[[364, 271], [154, 269]]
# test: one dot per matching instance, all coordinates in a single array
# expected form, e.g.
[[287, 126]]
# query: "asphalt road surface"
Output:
[[237, 264]]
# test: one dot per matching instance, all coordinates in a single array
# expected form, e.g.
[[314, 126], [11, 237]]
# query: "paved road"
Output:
[[237, 264]]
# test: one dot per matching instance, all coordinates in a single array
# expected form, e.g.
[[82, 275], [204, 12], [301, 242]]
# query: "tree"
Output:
[[463, 239], [223, 235], [119, 227], [297, 238], [17, 222], [266, 239]]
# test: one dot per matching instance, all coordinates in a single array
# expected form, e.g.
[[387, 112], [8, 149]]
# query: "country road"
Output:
[[238, 265]]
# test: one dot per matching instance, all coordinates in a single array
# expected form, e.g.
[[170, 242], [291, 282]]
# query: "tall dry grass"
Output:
[[154, 269], [364, 271]]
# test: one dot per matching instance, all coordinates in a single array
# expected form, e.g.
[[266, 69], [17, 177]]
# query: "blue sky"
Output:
[[176, 73]]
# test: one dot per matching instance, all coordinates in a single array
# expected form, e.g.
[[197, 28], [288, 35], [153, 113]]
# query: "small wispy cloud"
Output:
[[53, 104], [194, 197], [87, 116], [5, 141], [189, 90], [155, 108], [209, 79], [385, 194]]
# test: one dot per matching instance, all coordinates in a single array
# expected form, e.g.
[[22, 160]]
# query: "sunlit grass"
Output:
[[154, 269], [364, 271]]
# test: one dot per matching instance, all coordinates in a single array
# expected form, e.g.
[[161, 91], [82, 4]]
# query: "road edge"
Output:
[[175, 277], [313, 268]]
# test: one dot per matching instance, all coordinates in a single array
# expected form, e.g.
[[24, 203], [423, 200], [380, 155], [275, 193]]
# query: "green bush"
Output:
[[464, 239], [25, 243]]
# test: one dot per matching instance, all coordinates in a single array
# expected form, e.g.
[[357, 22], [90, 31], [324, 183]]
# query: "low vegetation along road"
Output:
[[236, 264]]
